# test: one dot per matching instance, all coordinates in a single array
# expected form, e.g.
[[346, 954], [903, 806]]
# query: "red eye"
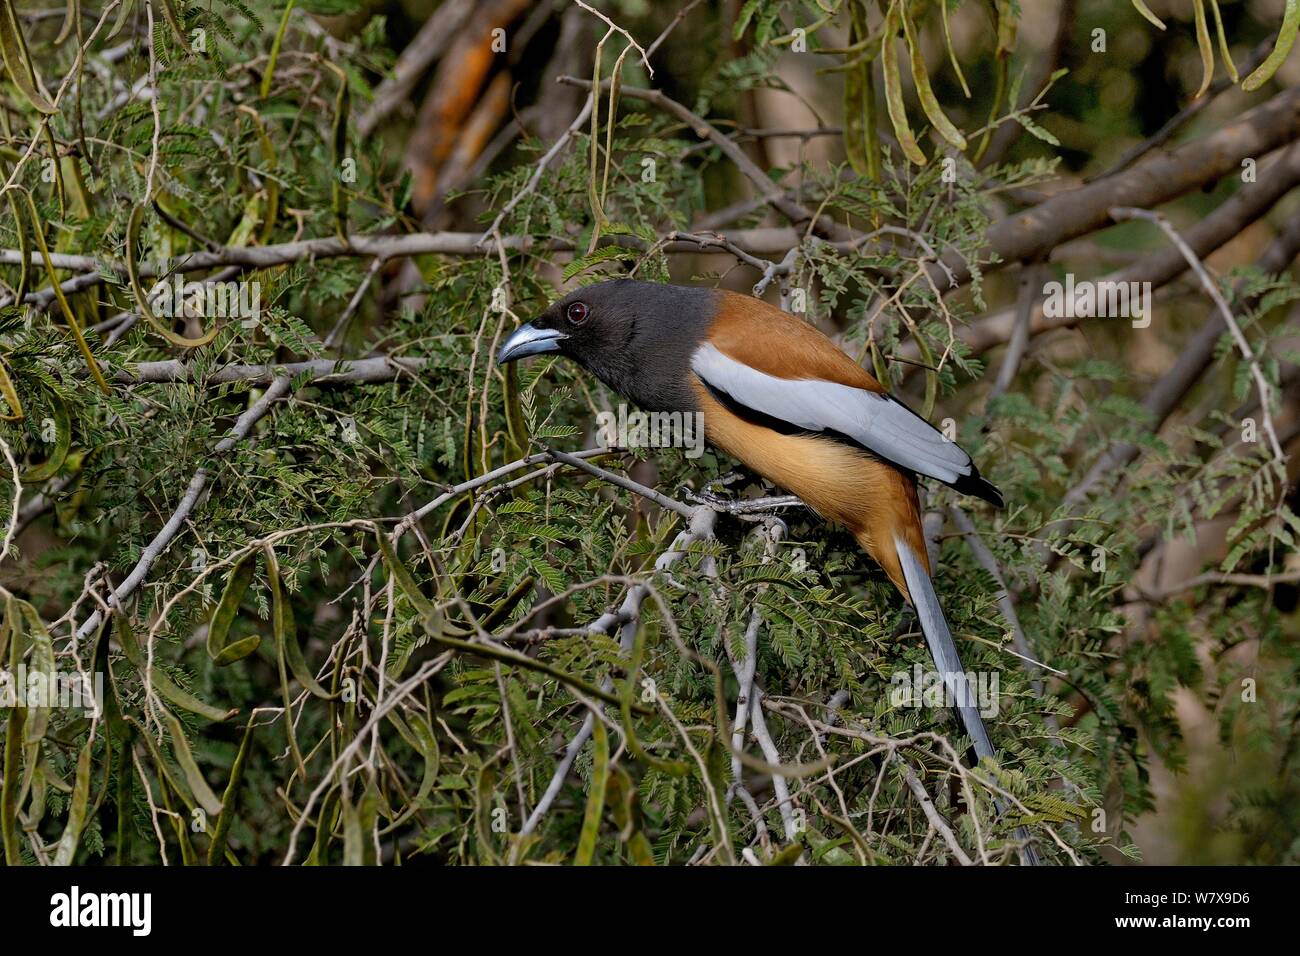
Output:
[[577, 313]]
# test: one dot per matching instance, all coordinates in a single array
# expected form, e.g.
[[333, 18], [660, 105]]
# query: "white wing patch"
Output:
[[879, 423]]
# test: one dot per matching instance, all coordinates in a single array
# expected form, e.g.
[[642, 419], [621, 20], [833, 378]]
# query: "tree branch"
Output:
[[1065, 216]]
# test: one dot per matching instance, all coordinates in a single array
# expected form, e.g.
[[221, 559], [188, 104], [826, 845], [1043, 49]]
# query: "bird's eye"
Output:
[[577, 313]]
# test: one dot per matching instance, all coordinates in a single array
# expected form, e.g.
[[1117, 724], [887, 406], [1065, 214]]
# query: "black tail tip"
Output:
[[977, 486]]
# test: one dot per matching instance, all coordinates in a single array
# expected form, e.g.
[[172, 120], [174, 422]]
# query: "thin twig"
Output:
[[658, 497], [1020, 332], [645, 57], [14, 510], [936, 819], [1121, 213]]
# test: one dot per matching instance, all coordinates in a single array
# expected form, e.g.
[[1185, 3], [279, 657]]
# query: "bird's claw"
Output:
[[705, 497], [730, 478]]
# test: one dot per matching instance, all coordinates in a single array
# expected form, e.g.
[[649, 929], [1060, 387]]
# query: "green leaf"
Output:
[[1035, 130]]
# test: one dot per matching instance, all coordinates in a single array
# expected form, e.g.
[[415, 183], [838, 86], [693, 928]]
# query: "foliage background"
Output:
[[384, 171]]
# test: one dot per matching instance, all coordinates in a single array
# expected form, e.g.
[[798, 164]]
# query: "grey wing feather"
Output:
[[880, 424]]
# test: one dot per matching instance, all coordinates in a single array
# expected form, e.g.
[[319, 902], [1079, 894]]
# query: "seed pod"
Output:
[[1223, 41], [929, 103], [18, 61], [1143, 9], [141, 297], [894, 89], [1205, 46], [1285, 40], [237, 582]]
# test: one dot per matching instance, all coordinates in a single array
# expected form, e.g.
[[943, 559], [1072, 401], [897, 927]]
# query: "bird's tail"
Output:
[[942, 647], [948, 663]]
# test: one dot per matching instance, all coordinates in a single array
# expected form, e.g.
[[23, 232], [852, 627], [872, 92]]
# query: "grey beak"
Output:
[[529, 340]]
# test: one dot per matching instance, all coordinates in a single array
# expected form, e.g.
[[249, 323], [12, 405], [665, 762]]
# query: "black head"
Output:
[[636, 337]]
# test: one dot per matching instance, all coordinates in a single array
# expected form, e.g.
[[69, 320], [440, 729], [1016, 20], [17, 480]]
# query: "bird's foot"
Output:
[[743, 506], [723, 481], [705, 497], [709, 494]]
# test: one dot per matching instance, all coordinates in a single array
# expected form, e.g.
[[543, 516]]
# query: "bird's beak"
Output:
[[529, 340]]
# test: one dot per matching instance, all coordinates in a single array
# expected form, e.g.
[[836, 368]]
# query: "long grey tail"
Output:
[[943, 650]]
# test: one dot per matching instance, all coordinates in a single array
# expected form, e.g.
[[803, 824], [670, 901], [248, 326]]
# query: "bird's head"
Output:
[[586, 325], [634, 336]]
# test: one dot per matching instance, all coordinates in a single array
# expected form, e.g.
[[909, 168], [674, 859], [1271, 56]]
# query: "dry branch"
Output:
[[1068, 215]]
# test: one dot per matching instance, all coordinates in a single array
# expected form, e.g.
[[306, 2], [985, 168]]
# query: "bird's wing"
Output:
[[872, 419]]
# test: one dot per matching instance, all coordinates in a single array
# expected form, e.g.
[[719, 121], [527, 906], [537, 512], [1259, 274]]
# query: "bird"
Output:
[[778, 395]]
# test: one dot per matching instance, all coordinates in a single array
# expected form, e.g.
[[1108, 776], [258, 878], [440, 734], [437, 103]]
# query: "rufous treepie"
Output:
[[779, 396]]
